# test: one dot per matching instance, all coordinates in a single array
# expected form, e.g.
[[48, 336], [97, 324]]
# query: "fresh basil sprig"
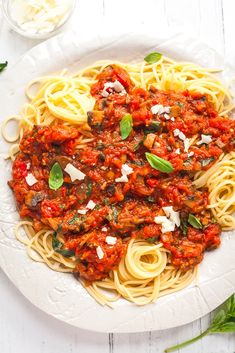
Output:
[[126, 126], [3, 66], [159, 163], [223, 322], [194, 221], [153, 57], [56, 178]]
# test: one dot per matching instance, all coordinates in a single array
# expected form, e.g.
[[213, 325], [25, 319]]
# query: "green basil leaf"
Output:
[[153, 57], [184, 227], [3, 66], [206, 161], [219, 318], [56, 178], [194, 221], [230, 305], [159, 163], [226, 327], [126, 126]]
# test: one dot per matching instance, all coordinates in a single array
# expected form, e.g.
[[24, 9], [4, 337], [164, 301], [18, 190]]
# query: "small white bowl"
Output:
[[5, 4]]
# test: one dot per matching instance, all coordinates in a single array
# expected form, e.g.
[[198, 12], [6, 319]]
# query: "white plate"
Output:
[[60, 295]]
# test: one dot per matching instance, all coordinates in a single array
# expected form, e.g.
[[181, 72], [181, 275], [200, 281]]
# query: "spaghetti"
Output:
[[220, 181], [137, 269]]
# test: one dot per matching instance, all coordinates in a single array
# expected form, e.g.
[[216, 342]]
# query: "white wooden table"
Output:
[[24, 328]]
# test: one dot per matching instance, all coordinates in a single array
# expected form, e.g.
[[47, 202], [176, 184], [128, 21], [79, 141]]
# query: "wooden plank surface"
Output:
[[24, 328]]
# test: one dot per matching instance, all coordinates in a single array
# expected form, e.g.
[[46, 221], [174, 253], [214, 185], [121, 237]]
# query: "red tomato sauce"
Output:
[[124, 209]]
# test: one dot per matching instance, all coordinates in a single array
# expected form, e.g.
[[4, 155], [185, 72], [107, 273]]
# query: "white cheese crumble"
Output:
[[74, 173], [182, 137], [99, 252], [167, 225], [166, 116], [177, 151], [111, 240], [186, 144], [176, 132], [190, 154], [91, 205], [82, 211], [125, 170], [169, 221], [160, 109], [28, 166], [30, 179], [172, 215], [122, 179], [205, 139], [115, 86], [104, 229]]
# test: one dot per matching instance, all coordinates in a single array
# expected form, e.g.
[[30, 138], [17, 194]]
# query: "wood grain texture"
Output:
[[24, 328]]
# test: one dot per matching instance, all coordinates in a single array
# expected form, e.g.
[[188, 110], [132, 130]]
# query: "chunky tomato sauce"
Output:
[[124, 210]]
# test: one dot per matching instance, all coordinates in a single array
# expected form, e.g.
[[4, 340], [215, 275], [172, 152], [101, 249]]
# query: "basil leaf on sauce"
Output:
[[194, 221], [206, 161], [126, 126], [184, 227], [56, 178], [3, 66], [153, 57], [159, 163]]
